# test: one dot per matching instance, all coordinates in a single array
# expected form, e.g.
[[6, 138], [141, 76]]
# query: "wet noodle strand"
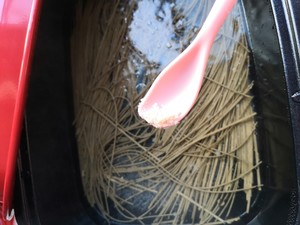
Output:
[[196, 172]]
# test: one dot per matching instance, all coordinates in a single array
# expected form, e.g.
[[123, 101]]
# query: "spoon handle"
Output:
[[214, 21]]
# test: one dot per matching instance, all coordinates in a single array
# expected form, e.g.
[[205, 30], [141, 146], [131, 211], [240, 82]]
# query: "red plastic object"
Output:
[[18, 22]]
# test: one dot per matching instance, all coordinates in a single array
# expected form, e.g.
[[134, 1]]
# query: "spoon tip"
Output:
[[159, 116]]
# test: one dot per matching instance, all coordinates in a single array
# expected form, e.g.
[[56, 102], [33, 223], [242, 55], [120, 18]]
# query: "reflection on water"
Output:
[[152, 31]]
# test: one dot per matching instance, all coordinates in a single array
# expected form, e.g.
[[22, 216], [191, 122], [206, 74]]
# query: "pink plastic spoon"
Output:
[[175, 90]]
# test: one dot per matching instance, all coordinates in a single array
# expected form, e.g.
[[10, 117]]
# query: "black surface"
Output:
[[52, 192], [287, 17]]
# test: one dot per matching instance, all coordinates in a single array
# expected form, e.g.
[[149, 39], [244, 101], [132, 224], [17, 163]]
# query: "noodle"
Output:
[[193, 173]]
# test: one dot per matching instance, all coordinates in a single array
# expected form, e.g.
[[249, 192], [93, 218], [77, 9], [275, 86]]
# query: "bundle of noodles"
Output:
[[204, 170]]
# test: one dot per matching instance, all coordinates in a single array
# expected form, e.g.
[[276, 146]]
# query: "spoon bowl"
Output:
[[175, 90]]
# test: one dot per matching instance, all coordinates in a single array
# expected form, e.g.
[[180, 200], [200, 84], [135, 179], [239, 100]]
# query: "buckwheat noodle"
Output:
[[194, 173]]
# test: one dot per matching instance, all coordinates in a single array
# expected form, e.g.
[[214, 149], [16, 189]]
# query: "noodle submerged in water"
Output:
[[204, 170]]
